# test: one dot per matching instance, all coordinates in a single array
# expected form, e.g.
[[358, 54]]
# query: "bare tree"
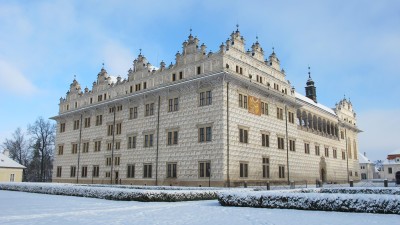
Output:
[[18, 148], [42, 136], [379, 164]]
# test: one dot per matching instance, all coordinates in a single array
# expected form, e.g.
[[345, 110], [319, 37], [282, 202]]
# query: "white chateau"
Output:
[[225, 117]]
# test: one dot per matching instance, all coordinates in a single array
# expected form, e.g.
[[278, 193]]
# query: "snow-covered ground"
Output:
[[30, 208]]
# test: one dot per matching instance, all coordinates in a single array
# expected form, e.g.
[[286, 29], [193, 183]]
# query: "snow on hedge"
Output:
[[113, 192], [311, 199]]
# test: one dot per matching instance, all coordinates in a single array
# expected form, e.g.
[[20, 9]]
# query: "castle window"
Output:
[[279, 113], [119, 128], [62, 127], [60, 149], [117, 145], [74, 148], [243, 135], [131, 142], [144, 85], [281, 171], [307, 148], [117, 160], [99, 120], [137, 87], [291, 117], [265, 140], [148, 140], [317, 150], [85, 147], [205, 98], [72, 172], [105, 96], [171, 170], [84, 171], [390, 170], [133, 113], [292, 145], [173, 104], [180, 75], [172, 138], [205, 134], [198, 70], [97, 146], [343, 155], [242, 101], [204, 169], [96, 171], [326, 152], [130, 171], [59, 170], [91, 100], [110, 130], [149, 109], [173, 77], [244, 169], [227, 66], [281, 143], [87, 122], [108, 161], [76, 124], [265, 167], [264, 108], [147, 170]]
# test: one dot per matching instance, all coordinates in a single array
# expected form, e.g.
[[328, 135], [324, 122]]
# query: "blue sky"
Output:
[[353, 48]]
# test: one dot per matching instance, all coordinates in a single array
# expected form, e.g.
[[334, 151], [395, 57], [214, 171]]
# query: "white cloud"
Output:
[[117, 58], [380, 132], [13, 80]]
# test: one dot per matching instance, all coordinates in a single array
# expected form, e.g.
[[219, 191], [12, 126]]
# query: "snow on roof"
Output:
[[311, 102], [363, 159], [6, 162], [391, 162], [397, 152]]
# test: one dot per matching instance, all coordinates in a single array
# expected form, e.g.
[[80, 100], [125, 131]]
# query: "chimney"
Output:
[[365, 154]]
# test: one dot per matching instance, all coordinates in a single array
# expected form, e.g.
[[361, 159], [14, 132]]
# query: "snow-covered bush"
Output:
[[312, 200], [112, 192]]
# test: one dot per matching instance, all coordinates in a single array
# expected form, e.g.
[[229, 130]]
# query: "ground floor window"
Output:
[[244, 167], [59, 169], [204, 169], [130, 171], [281, 171], [265, 167], [171, 170], [147, 170]]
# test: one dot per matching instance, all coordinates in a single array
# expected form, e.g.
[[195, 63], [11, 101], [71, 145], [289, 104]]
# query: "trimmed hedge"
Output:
[[372, 203], [112, 193]]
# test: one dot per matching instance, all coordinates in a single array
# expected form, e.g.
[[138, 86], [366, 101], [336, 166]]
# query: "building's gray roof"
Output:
[[6, 162]]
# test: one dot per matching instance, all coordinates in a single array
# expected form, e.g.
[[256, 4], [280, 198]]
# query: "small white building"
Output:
[[367, 168], [391, 166], [10, 171]]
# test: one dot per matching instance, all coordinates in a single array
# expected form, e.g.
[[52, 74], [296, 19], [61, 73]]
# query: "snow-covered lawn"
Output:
[[30, 208]]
